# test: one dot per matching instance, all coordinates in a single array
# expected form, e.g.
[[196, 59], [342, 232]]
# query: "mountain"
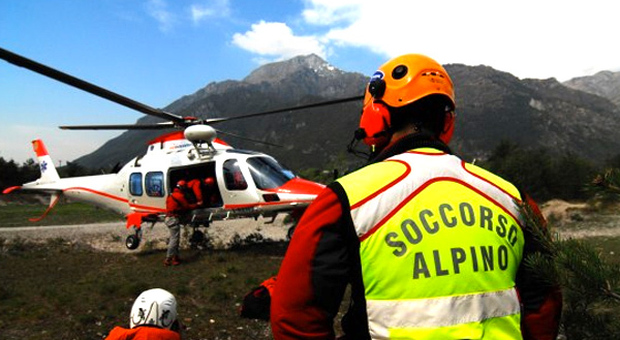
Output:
[[494, 105], [491, 106], [605, 84], [309, 137]]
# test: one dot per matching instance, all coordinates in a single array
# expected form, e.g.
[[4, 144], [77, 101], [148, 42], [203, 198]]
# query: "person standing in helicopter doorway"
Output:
[[177, 215], [432, 246]]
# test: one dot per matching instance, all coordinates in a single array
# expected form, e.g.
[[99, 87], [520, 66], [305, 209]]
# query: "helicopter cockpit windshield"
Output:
[[268, 173]]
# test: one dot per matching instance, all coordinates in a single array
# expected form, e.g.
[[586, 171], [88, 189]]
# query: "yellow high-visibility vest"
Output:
[[440, 244]]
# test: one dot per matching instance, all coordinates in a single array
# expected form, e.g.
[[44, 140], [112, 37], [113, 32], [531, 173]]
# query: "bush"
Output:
[[540, 173]]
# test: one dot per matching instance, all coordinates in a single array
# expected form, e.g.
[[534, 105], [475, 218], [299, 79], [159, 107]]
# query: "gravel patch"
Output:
[[111, 236]]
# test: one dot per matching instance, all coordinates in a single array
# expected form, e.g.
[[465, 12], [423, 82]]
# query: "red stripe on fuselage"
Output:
[[298, 186], [116, 198], [262, 204]]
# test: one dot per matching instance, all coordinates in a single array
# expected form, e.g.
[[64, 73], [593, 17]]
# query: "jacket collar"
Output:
[[409, 142]]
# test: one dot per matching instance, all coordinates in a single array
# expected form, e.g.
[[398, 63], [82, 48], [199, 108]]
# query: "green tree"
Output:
[[9, 173], [73, 169], [568, 177], [29, 171], [540, 173]]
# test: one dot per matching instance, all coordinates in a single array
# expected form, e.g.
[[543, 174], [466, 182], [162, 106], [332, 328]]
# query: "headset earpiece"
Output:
[[376, 88], [375, 123]]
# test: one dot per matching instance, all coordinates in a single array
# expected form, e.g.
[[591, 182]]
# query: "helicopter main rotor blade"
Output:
[[248, 139], [86, 86], [294, 108], [158, 126]]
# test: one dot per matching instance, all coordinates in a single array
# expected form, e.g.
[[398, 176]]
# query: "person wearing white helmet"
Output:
[[153, 317]]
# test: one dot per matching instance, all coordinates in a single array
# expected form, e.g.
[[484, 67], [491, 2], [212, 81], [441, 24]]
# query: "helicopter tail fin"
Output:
[[46, 165]]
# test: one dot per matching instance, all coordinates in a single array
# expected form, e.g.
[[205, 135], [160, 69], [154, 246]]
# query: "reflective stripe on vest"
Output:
[[435, 231], [440, 312]]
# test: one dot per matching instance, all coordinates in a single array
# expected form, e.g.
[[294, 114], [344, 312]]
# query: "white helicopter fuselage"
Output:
[[104, 191], [247, 184]]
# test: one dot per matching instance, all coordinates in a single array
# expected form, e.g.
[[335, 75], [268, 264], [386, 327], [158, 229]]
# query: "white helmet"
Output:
[[154, 307]]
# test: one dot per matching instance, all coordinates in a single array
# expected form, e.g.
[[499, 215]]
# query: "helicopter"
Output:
[[246, 184]]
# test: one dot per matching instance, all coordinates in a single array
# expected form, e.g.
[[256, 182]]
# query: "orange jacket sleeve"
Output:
[[300, 309]]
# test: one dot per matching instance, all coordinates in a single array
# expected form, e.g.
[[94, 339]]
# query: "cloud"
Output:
[[528, 38], [276, 41], [158, 10], [330, 12], [214, 8]]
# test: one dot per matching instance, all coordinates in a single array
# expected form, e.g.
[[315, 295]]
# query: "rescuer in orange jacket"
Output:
[[177, 215], [194, 188], [432, 247], [153, 317], [209, 192]]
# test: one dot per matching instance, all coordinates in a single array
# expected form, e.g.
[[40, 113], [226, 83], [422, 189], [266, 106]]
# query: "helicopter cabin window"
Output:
[[267, 173], [233, 176], [135, 184], [154, 184]]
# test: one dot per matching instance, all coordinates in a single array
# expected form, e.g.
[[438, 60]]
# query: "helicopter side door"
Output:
[[205, 173], [147, 191], [236, 186]]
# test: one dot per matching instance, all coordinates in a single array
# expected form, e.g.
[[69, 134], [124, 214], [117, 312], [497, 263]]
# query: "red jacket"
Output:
[[143, 333], [195, 187], [176, 203], [323, 258]]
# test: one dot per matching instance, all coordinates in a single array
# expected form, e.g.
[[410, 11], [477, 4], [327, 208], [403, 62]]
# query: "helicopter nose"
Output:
[[301, 186]]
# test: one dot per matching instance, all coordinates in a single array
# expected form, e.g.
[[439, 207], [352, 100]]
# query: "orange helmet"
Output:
[[400, 82]]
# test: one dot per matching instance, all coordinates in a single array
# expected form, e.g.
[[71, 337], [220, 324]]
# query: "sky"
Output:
[[156, 51]]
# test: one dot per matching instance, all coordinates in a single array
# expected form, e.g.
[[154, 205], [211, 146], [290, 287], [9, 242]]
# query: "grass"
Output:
[[17, 214], [62, 290], [66, 291], [59, 290], [607, 247]]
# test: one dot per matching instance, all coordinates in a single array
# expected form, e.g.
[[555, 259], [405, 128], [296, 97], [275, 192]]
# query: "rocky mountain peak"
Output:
[[278, 71], [605, 84]]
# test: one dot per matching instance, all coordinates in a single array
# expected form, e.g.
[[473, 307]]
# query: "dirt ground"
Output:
[[561, 210], [568, 220], [111, 236], [577, 220]]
